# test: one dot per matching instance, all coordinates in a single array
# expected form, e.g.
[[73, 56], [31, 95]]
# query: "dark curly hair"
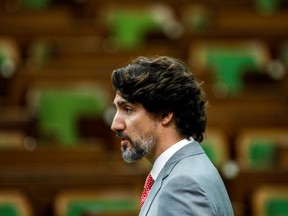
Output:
[[164, 84]]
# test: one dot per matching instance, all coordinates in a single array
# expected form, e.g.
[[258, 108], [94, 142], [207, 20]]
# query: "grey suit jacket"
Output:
[[188, 184]]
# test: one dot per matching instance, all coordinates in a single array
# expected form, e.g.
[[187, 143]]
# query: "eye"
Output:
[[128, 110]]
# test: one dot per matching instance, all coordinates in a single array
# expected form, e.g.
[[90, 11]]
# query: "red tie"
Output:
[[147, 187]]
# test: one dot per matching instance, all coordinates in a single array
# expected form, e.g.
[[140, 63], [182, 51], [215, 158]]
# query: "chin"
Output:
[[132, 155]]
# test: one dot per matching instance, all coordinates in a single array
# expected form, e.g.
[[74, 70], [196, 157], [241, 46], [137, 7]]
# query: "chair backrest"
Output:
[[105, 201], [130, 24], [59, 109], [228, 61], [270, 201], [14, 203], [258, 148]]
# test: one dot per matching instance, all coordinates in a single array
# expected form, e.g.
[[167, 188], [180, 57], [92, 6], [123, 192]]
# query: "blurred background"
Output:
[[57, 153]]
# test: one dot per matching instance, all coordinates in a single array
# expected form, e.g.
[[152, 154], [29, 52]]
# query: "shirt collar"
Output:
[[166, 155]]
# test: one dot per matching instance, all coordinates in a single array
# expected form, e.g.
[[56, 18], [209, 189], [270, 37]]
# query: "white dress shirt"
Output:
[[166, 155]]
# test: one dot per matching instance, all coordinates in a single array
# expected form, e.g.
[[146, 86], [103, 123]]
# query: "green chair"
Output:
[[59, 110], [78, 203], [77, 208], [229, 66], [258, 148], [262, 153], [129, 27], [228, 62], [8, 209], [277, 207], [13, 203], [271, 201]]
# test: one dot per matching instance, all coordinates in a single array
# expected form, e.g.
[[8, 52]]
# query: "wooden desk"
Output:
[[242, 187], [43, 174]]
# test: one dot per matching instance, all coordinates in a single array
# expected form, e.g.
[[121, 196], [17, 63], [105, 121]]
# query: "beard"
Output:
[[139, 147]]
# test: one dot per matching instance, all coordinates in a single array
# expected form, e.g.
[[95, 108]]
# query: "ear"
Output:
[[166, 118]]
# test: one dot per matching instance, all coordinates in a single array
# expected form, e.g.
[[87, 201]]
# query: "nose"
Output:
[[117, 123]]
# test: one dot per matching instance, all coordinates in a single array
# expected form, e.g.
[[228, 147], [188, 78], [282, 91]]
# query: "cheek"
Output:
[[139, 124], [135, 130]]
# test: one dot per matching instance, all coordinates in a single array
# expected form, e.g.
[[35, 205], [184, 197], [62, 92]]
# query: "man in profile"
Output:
[[160, 115]]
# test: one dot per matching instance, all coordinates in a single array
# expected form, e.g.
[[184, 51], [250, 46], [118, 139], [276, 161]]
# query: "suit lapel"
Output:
[[191, 149]]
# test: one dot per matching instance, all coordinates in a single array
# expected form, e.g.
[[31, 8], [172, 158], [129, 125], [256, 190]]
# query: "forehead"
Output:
[[119, 100], [120, 103]]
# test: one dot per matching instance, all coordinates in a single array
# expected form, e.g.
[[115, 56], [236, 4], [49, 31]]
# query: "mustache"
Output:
[[122, 135]]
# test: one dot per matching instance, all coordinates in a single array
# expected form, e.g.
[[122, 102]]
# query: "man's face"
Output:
[[136, 127]]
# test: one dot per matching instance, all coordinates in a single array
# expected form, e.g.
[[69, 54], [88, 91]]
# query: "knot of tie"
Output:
[[147, 187]]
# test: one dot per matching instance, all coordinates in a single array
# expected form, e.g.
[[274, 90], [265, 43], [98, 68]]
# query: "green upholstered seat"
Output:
[[9, 209], [59, 109], [270, 200], [262, 153], [14, 203], [276, 206], [229, 65], [77, 208], [130, 27], [262, 148]]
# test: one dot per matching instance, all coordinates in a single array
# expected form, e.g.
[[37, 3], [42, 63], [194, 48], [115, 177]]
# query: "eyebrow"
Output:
[[121, 102]]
